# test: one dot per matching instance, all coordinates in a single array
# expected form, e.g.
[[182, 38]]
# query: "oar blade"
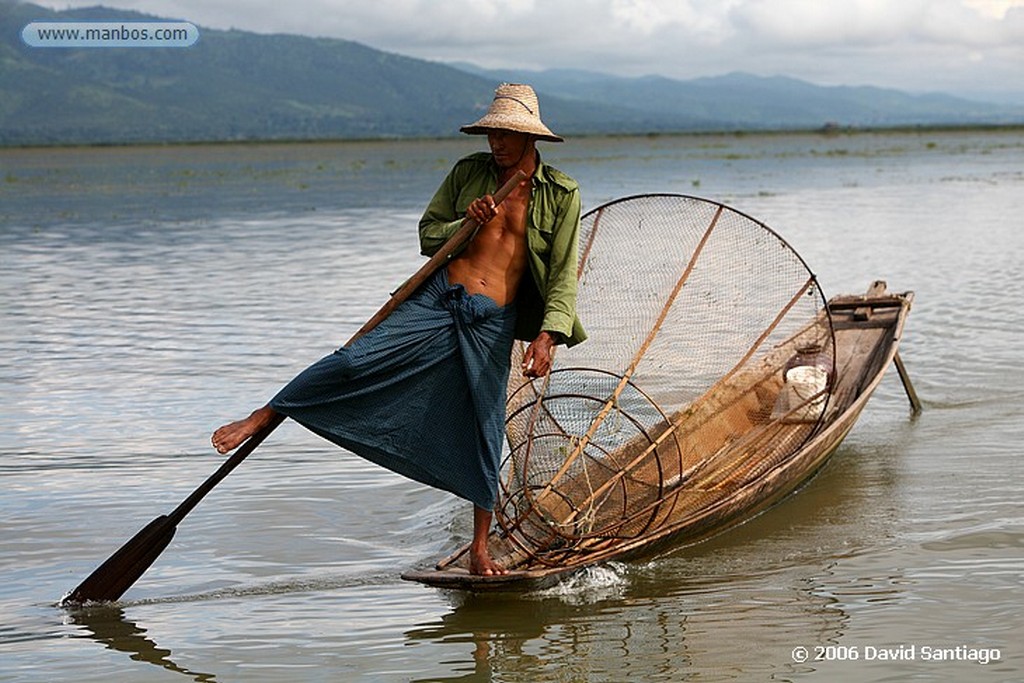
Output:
[[122, 569]]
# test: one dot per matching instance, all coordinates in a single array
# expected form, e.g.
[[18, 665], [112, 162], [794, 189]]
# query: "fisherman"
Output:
[[423, 393]]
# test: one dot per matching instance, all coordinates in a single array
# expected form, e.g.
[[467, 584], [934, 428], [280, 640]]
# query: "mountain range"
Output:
[[236, 85]]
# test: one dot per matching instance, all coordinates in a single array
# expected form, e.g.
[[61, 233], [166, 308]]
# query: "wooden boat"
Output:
[[675, 477]]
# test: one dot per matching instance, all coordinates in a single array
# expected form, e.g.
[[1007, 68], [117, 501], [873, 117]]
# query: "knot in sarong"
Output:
[[470, 308]]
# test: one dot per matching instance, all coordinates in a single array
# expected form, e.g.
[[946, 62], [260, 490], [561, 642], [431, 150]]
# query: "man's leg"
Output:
[[480, 561], [231, 435]]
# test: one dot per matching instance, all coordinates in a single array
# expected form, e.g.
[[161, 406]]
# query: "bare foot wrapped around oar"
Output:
[[233, 434]]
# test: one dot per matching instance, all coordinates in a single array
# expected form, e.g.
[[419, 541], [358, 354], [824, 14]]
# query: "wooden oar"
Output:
[[122, 569]]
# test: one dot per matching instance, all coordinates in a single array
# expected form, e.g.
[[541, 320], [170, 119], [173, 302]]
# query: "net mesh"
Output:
[[696, 314]]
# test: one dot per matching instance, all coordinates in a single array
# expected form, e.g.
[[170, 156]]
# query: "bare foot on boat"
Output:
[[231, 435], [480, 562]]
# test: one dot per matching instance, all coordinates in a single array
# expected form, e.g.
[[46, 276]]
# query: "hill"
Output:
[[743, 101], [235, 85]]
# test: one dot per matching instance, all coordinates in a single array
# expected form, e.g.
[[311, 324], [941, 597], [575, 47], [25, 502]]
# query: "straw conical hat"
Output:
[[515, 108]]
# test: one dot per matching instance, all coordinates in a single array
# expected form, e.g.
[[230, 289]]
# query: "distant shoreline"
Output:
[[827, 131]]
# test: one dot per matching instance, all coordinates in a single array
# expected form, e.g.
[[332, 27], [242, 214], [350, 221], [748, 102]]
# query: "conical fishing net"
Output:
[[708, 364]]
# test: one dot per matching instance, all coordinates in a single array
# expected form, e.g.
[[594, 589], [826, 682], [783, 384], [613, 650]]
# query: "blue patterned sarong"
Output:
[[422, 394]]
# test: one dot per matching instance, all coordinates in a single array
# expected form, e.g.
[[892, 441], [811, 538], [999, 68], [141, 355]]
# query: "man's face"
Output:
[[507, 147]]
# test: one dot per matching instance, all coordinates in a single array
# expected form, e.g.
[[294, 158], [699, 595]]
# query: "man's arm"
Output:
[[440, 219], [468, 180], [560, 287]]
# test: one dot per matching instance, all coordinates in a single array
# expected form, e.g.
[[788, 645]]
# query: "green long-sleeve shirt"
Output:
[[547, 300]]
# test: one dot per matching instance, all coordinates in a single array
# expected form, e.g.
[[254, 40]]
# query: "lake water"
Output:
[[150, 294]]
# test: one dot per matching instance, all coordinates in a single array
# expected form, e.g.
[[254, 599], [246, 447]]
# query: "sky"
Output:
[[971, 48]]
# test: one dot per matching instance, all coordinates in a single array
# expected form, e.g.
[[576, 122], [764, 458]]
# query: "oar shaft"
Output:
[[454, 243]]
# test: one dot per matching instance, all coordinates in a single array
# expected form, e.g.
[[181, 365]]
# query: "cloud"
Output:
[[994, 9], [916, 45], [868, 23]]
